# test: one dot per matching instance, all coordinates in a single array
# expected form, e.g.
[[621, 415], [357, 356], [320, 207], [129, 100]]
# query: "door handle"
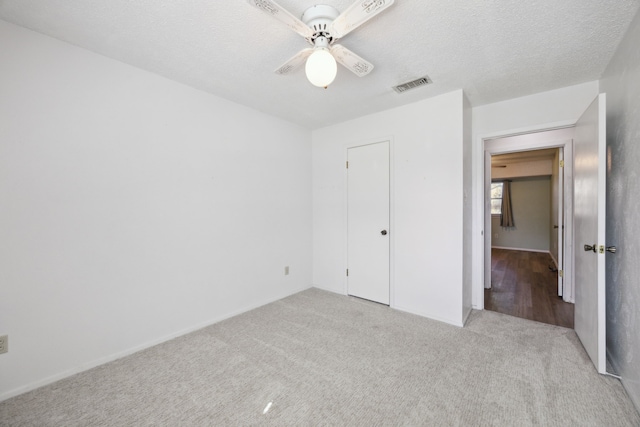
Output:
[[611, 249], [383, 232], [555, 226], [590, 248]]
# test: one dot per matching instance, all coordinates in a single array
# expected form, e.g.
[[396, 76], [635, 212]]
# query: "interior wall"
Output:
[[547, 110], [134, 209], [621, 83], [468, 210], [531, 203], [522, 169], [427, 203]]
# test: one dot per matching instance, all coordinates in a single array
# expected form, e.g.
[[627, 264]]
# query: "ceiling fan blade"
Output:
[[353, 62], [293, 63], [284, 16], [357, 14]]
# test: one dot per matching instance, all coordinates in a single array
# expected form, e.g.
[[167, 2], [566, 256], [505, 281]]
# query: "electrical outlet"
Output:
[[4, 343], [286, 270]]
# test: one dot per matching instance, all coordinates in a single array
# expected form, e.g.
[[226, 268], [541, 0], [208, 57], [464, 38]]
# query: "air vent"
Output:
[[422, 81]]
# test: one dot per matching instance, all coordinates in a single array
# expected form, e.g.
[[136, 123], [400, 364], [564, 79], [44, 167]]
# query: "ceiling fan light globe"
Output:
[[321, 68]]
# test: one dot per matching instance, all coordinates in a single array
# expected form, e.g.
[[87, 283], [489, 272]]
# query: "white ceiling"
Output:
[[494, 50], [523, 157]]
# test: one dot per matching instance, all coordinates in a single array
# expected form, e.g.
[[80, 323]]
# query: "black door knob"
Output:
[[383, 232]]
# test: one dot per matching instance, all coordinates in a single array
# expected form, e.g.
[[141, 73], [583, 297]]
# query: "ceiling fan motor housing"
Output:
[[319, 19]]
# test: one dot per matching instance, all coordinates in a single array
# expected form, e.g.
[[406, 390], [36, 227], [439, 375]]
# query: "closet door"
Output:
[[368, 222]]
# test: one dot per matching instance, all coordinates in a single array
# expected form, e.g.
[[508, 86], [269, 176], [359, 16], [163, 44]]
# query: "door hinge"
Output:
[[561, 163], [347, 164], [347, 272], [561, 273]]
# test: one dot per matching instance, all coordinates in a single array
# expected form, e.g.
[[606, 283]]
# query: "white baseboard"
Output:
[[399, 308], [335, 290], [466, 314], [633, 393], [428, 316], [522, 249], [555, 261], [101, 361]]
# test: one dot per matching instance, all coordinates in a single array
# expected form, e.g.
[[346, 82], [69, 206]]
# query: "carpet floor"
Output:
[[325, 359]]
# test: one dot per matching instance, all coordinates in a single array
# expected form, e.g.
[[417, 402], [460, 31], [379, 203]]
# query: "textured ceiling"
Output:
[[494, 50]]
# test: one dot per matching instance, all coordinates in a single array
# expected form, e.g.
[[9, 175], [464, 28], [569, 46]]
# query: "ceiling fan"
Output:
[[322, 26]]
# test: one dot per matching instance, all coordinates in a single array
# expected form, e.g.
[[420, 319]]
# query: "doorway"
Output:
[[586, 255], [525, 270]]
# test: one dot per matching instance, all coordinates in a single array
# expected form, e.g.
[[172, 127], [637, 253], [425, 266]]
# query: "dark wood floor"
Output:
[[522, 285]]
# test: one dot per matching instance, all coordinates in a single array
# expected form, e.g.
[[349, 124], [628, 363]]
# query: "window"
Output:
[[496, 198]]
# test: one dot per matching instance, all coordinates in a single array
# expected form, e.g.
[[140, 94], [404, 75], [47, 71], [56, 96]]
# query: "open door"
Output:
[[589, 223]]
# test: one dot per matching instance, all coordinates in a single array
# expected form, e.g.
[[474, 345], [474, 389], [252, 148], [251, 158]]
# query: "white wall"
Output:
[[534, 112], [427, 203], [621, 82], [547, 110], [531, 202], [467, 227], [523, 169], [133, 209]]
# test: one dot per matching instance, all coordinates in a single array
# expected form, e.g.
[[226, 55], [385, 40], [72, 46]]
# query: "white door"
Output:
[[368, 222], [560, 221], [589, 222]]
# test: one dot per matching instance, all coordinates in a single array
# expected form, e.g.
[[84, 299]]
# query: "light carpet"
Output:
[[326, 359]]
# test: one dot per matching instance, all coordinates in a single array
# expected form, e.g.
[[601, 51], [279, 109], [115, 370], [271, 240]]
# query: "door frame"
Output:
[[490, 147], [561, 220], [345, 219]]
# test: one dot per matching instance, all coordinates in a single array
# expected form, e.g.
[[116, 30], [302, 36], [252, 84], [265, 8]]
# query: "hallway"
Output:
[[522, 285]]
